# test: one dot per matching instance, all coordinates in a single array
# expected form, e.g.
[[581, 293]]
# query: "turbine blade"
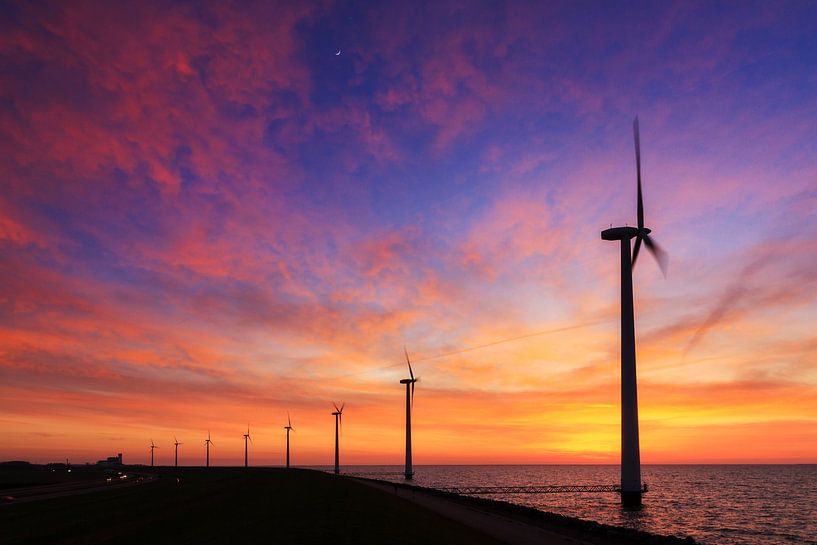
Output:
[[335, 405], [637, 139], [342, 405], [636, 249], [412, 394], [289, 420], [660, 255], [408, 361]]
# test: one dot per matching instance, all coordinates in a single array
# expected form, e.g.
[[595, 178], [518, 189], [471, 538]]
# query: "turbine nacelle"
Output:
[[623, 233]]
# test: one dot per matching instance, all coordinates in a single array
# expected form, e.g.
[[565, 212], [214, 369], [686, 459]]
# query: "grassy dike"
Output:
[[233, 505], [519, 524]]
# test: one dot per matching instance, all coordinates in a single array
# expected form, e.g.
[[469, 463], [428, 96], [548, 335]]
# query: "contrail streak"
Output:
[[730, 298], [508, 340], [481, 346]]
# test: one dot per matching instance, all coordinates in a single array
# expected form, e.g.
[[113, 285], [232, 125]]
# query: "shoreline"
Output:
[[522, 524]]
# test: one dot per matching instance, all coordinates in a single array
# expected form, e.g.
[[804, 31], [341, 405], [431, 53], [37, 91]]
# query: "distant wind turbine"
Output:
[[246, 437], [207, 443], [289, 428], [176, 443], [338, 414], [152, 446], [409, 382], [630, 456]]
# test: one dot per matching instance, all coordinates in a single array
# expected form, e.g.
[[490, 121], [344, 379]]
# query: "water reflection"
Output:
[[715, 504]]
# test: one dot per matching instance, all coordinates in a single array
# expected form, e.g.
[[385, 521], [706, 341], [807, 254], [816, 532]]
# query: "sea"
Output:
[[714, 504]]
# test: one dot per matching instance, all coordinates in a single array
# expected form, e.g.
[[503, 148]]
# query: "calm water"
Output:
[[715, 504]]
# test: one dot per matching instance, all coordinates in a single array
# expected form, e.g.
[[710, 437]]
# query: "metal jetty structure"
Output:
[[372, 473], [491, 490], [542, 489]]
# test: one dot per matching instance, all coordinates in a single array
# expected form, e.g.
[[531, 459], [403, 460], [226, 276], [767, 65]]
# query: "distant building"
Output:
[[111, 461]]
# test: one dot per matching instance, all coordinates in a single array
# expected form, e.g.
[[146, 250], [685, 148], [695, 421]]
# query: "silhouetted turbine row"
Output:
[[337, 413], [631, 487]]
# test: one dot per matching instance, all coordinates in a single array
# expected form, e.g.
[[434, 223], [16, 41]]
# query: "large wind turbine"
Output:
[[631, 488], [207, 443], [409, 382], [176, 444], [152, 446], [289, 428], [338, 414], [246, 437]]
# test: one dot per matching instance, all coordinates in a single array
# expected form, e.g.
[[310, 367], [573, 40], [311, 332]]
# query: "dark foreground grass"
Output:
[[232, 505]]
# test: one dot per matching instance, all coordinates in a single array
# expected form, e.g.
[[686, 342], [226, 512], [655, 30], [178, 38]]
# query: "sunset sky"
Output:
[[212, 214]]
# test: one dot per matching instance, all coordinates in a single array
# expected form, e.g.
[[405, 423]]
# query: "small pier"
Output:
[[492, 490], [542, 489]]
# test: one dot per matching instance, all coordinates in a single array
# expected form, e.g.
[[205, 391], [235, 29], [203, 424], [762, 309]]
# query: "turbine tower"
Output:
[[176, 443], [152, 446], [207, 443], [409, 382], [246, 437], [338, 414], [289, 428], [631, 488]]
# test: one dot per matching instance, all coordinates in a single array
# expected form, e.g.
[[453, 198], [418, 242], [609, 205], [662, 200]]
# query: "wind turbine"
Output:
[[338, 414], [289, 428], [207, 443], [409, 382], [176, 443], [246, 437], [152, 446], [630, 457]]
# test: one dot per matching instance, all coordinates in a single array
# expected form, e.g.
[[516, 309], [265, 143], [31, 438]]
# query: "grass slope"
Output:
[[232, 505]]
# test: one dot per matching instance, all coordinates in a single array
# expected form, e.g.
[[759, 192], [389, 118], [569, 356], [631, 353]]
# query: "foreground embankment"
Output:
[[519, 524], [261, 505]]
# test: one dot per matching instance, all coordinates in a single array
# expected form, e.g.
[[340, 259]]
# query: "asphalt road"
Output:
[[45, 492]]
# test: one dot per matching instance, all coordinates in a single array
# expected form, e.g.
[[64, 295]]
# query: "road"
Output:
[[49, 491]]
